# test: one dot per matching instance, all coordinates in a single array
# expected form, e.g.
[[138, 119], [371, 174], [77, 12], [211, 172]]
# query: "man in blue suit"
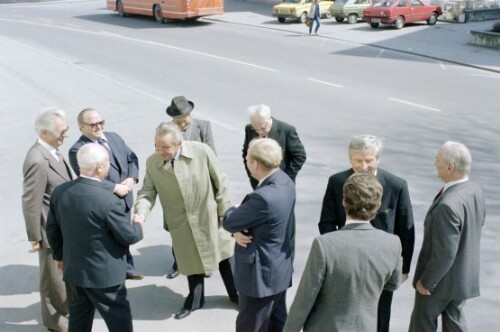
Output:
[[395, 215], [263, 263], [89, 233], [124, 170]]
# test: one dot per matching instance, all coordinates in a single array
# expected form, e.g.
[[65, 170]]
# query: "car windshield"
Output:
[[291, 1], [384, 3]]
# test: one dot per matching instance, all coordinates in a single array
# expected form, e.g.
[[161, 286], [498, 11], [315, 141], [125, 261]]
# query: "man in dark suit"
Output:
[[294, 155], [447, 271], [124, 171], [263, 264], [44, 169], [180, 110], [347, 270], [395, 215], [90, 232]]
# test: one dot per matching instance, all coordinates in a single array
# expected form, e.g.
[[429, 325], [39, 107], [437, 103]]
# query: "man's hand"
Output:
[[242, 239], [35, 246], [60, 265], [404, 277], [139, 218], [121, 190], [421, 289], [129, 182]]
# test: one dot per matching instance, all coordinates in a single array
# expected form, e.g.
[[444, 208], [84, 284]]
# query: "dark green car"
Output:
[[350, 9]]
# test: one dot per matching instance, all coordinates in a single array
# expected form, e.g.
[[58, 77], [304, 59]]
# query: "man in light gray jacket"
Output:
[[339, 291]]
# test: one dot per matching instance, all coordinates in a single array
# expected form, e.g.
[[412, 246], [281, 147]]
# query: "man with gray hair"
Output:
[[395, 215], [44, 169], [263, 267], [347, 270], [263, 125], [194, 194], [447, 271], [89, 232]]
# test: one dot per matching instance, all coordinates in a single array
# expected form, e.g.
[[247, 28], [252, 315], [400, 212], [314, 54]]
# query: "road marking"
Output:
[[415, 104], [100, 33], [325, 82], [380, 53], [74, 26], [44, 19], [112, 34]]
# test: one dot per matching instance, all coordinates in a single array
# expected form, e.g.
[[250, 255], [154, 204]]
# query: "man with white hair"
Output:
[[447, 271], [89, 232], [263, 125], [44, 169]]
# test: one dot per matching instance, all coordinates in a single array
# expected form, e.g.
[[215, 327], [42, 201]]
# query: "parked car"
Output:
[[298, 9], [350, 9], [399, 12]]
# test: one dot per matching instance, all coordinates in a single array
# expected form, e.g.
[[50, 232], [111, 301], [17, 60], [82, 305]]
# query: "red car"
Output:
[[399, 12]]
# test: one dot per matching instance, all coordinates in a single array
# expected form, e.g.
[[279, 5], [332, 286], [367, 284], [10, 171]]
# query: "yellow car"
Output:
[[298, 9]]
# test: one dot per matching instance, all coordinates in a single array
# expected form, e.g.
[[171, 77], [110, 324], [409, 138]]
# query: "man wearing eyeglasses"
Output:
[[294, 155], [124, 170]]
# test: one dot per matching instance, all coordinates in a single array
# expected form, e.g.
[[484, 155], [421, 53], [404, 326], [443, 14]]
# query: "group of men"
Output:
[[84, 227]]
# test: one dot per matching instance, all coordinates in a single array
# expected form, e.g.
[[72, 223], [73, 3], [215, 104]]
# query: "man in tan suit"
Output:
[[44, 169], [193, 191]]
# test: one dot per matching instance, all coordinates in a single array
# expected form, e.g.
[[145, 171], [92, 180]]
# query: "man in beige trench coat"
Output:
[[194, 194]]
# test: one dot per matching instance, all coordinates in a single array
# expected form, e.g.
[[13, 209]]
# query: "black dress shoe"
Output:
[[135, 275], [172, 275], [182, 313]]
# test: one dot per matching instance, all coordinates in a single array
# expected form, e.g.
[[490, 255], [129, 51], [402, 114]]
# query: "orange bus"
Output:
[[163, 10]]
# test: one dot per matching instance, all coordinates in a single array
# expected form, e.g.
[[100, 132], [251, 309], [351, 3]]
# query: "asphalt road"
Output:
[[76, 54]]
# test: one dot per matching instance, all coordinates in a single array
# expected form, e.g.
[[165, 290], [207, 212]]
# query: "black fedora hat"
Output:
[[180, 106]]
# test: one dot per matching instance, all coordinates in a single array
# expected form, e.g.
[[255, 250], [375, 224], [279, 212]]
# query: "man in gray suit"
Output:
[[263, 266], [447, 271], [347, 270], [44, 169], [180, 110]]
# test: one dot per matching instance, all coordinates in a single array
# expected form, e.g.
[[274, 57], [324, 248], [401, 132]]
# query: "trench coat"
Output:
[[193, 194]]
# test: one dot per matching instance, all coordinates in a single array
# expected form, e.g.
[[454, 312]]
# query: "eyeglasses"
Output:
[[95, 124]]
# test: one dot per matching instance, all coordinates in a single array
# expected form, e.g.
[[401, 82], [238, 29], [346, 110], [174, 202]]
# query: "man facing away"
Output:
[[347, 270], [294, 155], [124, 170], [263, 265], [44, 169], [447, 271], [193, 190], [90, 232], [395, 215], [193, 129]]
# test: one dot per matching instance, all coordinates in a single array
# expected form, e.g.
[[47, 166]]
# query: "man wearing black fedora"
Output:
[[193, 130]]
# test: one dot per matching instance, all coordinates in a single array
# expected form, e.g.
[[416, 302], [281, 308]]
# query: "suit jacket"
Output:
[[201, 131], [124, 162], [448, 264], [42, 173], [90, 232], [264, 267], [294, 154], [192, 194], [395, 215], [344, 276]]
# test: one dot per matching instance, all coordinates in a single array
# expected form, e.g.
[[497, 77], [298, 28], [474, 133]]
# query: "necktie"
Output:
[[105, 144], [59, 156], [439, 193], [172, 162]]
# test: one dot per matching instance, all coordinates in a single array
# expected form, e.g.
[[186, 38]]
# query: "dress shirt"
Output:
[[50, 148]]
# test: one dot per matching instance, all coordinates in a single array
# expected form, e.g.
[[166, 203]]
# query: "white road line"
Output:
[[325, 82], [110, 33], [380, 53], [44, 19], [208, 55], [415, 104], [74, 26], [441, 64]]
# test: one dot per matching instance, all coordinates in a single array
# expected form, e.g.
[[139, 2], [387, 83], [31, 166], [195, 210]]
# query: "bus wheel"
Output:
[[158, 14], [120, 9]]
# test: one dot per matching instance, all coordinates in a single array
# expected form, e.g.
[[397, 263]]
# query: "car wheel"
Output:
[[120, 9], [432, 19], [374, 25], [281, 19], [352, 18], [158, 14], [400, 22], [303, 17], [339, 19]]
